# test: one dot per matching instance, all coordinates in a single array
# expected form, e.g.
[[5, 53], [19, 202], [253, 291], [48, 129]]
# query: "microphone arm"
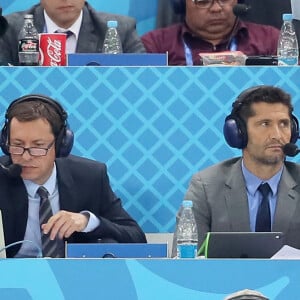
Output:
[[13, 170], [238, 10]]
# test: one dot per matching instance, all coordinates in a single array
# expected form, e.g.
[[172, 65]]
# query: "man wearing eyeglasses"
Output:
[[210, 26], [83, 207]]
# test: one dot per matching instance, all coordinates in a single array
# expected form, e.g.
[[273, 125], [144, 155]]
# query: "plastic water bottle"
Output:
[[287, 50], [112, 42], [28, 43], [187, 234]]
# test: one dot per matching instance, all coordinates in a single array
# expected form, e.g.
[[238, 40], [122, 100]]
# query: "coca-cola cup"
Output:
[[53, 49]]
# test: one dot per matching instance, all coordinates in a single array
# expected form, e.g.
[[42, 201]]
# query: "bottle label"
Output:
[[28, 45], [187, 251], [288, 61]]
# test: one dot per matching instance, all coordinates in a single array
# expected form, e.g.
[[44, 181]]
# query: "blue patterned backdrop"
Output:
[[143, 11], [153, 126]]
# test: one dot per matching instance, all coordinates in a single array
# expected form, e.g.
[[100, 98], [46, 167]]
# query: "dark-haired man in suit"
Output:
[[88, 28], [228, 196], [56, 197]]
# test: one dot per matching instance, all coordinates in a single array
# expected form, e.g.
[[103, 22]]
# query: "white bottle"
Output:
[[112, 43], [28, 47], [287, 50], [186, 232]]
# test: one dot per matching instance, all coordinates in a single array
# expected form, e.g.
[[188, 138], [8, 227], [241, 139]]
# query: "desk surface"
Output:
[[146, 279]]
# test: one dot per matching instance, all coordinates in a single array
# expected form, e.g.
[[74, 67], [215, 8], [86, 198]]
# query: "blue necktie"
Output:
[[263, 217]]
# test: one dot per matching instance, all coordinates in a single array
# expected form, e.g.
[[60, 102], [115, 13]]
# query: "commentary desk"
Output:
[[157, 279]]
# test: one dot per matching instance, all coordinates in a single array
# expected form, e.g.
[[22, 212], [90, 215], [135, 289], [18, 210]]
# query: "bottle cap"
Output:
[[287, 17], [112, 24], [28, 16], [187, 203]]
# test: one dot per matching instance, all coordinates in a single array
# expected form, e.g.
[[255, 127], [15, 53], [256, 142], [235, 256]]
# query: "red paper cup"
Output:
[[53, 49]]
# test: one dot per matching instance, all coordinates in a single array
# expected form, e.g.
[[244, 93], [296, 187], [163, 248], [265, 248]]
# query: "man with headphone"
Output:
[[227, 197], [83, 207], [210, 26]]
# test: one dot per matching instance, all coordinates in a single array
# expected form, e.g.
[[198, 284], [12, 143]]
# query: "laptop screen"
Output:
[[242, 244]]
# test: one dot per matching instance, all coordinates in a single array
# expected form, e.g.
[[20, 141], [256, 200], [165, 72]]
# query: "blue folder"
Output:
[[123, 59], [116, 250]]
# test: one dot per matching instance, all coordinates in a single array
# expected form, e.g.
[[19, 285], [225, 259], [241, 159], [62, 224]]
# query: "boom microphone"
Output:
[[290, 149], [13, 170], [3, 23], [241, 9]]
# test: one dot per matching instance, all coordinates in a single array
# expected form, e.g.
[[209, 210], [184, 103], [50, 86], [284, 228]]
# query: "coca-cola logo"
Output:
[[29, 46], [54, 48]]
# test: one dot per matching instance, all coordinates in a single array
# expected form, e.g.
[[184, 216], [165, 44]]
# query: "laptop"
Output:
[[2, 242], [116, 250], [242, 244]]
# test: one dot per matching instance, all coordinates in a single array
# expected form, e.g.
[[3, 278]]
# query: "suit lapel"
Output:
[[90, 41], [287, 201], [66, 185], [236, 199]]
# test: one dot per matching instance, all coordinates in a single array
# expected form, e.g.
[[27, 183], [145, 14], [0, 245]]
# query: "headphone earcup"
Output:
[[3, 140], [294, 130], [178, 6], [235, 132], [64, 144]]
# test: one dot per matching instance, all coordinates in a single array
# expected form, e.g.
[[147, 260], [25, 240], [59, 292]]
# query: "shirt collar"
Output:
[[50, 184], [253, 182], [51, 27]]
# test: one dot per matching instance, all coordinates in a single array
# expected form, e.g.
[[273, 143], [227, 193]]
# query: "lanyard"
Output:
[[189, 56]]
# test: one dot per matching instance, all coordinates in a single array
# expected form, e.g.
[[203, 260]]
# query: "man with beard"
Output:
[[227, 196], [210, 26]]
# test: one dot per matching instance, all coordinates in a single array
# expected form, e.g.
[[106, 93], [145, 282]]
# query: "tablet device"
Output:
[[242, 244], [2, 242]]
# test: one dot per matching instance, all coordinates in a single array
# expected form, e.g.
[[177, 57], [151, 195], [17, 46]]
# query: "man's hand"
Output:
[[64, 223]]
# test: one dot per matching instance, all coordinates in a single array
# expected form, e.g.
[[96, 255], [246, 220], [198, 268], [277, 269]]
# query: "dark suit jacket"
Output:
[[91, 35], [83, 184], [220, 201]]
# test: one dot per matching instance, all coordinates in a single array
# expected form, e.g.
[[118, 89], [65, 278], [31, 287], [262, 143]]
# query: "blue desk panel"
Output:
[[153, 126], [71, 279]]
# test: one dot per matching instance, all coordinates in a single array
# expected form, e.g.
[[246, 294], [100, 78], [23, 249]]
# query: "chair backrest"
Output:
[[158, 238], [268, 12]]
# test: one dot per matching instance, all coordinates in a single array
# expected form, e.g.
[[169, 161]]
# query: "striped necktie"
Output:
[[67, 32], [49, 247]]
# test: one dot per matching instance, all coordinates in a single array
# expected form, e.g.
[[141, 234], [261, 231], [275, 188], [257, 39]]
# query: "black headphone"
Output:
[[235, 129], [64, 140], [179, 6]]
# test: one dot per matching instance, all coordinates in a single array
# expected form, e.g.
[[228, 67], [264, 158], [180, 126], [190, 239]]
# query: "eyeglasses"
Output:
[[209, 3], [33, 151]]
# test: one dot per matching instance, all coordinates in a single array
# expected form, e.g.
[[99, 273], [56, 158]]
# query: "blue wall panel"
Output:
[[153, 126]]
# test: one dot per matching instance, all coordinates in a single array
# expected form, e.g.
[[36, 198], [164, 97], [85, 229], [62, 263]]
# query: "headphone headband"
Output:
[[65, 138], [45, 99], [235, 129]]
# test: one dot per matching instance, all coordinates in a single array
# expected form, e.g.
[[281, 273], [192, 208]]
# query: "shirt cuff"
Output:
[[93, 222]]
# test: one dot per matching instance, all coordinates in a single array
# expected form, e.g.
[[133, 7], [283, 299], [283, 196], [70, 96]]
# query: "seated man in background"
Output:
[[88, 28], [228, 196], [47, 196], [210, 26]]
